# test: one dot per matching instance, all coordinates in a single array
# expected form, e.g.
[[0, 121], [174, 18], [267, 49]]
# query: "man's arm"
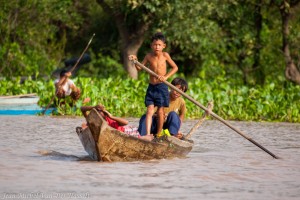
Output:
[[121, 121], [182, 111], [74, 88], [172, 65], [133, 57], [60, 82], [63, 79], [85, 109]]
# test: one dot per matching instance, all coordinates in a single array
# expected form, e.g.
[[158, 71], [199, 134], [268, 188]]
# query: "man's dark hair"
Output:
[[158, 36], [180, 81], [63, 72]]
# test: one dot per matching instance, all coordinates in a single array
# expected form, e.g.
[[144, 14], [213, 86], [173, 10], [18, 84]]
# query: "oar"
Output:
[[78, 60], [204, 108]]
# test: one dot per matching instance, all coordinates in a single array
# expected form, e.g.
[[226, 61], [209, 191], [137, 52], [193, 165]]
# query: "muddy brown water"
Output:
[[42, 158]]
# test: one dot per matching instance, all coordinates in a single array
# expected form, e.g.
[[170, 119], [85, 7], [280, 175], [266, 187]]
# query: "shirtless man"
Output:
[[157, 93]]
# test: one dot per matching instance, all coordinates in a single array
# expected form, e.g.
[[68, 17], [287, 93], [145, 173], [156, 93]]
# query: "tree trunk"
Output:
[[131, 49], [131, 38], [291, 71], [256, 67]]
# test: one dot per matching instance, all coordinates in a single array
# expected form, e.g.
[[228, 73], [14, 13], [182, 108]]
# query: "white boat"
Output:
[[20, 104], [24, 99]]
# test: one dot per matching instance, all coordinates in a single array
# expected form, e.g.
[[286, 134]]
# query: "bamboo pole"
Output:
[[204, 108], [78, 60]]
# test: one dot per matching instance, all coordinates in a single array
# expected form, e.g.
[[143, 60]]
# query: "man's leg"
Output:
[[173, 123], [149, 115], [142, 126], [160, 119]]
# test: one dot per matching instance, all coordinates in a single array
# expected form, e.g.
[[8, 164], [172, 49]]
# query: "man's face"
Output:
[[157, 46], [174, 94]]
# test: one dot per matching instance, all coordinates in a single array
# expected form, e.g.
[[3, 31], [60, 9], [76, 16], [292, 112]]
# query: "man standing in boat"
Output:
[[157, 94]]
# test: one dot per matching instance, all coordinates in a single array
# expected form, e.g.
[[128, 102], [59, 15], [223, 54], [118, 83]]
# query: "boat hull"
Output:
[[19, 101], [104, 143]]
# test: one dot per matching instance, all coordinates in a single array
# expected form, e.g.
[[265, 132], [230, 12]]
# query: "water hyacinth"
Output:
[[125, 97]]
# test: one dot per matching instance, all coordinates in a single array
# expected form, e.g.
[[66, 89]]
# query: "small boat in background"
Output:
[[24, 104], [104, 143], [22, 99]]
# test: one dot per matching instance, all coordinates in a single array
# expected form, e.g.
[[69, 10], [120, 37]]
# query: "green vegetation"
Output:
[[125, 97], [243, 55]]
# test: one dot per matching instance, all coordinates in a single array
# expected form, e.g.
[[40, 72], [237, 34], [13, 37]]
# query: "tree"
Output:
[[133, 20], [243, 39], [32, 39], [288, 8], [179, 20]]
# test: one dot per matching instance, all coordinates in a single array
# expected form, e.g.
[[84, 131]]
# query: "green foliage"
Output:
[[125, 97], [102, 66], [31, 38], [205, 38], [213, 42], [268, 103]]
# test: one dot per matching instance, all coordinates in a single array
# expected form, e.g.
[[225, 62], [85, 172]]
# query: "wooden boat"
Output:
[[104, 143]]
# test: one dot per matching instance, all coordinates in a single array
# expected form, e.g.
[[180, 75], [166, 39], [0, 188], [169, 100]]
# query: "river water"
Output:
[[42, 158]]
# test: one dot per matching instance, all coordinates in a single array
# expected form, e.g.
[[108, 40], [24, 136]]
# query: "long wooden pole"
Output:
[[78, 60], [204, 108]]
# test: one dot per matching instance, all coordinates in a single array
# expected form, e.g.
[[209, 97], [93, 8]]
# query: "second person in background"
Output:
[[65, 86]]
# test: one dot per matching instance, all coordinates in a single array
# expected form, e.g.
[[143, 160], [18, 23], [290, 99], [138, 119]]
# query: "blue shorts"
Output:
[[157, 95]]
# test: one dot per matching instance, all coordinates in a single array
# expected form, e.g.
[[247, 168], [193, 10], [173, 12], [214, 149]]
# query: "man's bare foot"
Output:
[[147, 137], [179, 135], [84, 125]]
